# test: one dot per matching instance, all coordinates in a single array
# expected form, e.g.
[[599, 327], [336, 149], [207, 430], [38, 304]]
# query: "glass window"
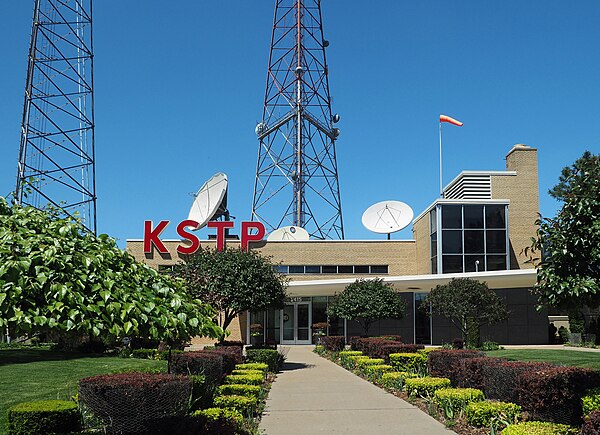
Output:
[[496, 262], [496, 241], [451, 216], [296, 269], [494, 216], [452, 263], [345, 269], [328, 269], [361, 269], [312, 269], [473, 216], [281, 269], [422, 320], [432, 221], [434, 244], [451, 242], [434, 264], [474, 263], [379, 269], [474, 242]]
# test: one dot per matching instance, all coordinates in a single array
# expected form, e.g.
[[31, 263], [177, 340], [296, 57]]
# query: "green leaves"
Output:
[[53, 276]]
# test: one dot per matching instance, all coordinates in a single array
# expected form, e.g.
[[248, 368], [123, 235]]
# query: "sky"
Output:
[[179, 88]]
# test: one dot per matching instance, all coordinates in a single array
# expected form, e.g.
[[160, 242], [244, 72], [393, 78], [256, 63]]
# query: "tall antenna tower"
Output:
[[296, 175], [56, 155]]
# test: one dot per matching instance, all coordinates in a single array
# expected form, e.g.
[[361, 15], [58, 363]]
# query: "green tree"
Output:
[[368, 300], [569, 265], [54, 277], [233, 281], [469, 304]]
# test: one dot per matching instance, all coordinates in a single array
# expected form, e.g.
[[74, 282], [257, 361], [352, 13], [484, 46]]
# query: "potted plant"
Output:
[[319, 330], [256, 331]]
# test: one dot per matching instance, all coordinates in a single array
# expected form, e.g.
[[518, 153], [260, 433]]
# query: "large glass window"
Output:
[[473, 238], [422, 320]]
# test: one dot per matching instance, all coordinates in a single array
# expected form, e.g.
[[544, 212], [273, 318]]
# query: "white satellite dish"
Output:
[[210, 201], [288, 233], [387, 217]]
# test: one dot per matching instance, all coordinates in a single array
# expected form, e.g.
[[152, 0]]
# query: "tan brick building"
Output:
[[477, 230]]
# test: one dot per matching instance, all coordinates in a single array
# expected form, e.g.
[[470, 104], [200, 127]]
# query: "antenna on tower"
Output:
[[296, 180], [56, 154]]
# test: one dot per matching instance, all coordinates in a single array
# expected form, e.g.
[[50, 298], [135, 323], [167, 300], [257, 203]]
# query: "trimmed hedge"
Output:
[[345, 355], [243, 404], [395, 380], [408, 362], [374, 372], [555, 394], [591, 425], [239, 390], [539, 428], [591, 401], [454, 400], [483, 414], [470, 372], [446, 363], [383, 350], [231, 357], [253, 366], [44, 416], [271, 357], [248, 372], [203, 392], [363, 363], [354, 360], [135, 402], [202, 362], [255, 379], [334, 343], [220, 421], [425, 387], [500, 381]]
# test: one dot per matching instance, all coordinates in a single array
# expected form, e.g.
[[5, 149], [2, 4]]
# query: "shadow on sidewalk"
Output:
[[289, 366]]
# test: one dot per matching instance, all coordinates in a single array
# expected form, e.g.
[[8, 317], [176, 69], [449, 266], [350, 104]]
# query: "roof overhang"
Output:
[[418, 283]]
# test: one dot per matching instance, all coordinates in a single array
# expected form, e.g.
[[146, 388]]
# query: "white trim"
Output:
[[460, 201]]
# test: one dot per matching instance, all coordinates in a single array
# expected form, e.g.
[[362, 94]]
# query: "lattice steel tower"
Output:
[[56, 155], [296, 175]]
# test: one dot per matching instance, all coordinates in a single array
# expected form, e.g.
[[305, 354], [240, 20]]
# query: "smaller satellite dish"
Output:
[[336, 132], [210, 201], [325, 43], [387, 217], [299, 70], [288, 233], [260, 128], [336, 118]]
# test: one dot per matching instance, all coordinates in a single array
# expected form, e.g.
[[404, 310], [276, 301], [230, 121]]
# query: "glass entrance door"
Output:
[[295, 323]]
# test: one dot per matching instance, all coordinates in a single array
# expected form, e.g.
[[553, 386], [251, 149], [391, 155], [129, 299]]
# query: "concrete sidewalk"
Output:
[[314, 395]]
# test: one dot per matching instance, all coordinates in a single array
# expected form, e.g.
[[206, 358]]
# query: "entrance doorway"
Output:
[[296, 323]]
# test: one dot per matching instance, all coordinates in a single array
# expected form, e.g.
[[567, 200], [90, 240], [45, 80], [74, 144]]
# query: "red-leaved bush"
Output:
[[382, 350], [202, 362], [470, 371], [500, 381], [591, 424], [231, 357], [135, 402], [554, 394], [446, 363], [334, 343]]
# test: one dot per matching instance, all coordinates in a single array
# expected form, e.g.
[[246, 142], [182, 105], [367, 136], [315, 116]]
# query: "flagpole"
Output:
[[441, 191]]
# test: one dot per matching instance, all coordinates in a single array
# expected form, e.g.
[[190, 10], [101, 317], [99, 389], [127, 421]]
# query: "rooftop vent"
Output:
[[470, 186]]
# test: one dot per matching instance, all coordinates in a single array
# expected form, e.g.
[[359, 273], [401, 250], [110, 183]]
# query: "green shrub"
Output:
[[591, 401], [487, 346], [248, 372], [454, 400], [428, 350], [239, 390], [374, 372], [539, 428], [363, 363], [345, 355], [243, 404], [395, 380], [253, 366], [271, 357], [425, 387], [244, 379], [354, 360], [221, 421], [44, 416], [409, 362], [488, 413], [143, 353]]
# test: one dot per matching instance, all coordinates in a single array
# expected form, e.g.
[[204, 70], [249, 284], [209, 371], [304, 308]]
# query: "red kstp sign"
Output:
[[152, 235]]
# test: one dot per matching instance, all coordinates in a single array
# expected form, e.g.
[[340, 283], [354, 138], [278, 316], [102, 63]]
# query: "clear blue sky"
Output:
[[179, 89]]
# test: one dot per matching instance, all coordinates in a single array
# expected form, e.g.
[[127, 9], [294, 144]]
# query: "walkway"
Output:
[[314, 395]]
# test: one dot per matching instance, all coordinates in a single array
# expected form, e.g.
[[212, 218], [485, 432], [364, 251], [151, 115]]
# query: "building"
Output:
[[477, 230]]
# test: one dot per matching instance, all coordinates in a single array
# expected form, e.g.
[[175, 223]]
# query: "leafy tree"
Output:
[[233, 281], [56, 278], [569, 265], [469, 304], [367, 300]]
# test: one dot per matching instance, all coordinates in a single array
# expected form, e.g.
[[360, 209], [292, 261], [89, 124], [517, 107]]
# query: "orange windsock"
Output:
[[445, 118]]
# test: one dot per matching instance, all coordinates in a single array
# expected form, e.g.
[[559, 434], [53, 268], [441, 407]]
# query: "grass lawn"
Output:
[[27, 375], [559, 356]]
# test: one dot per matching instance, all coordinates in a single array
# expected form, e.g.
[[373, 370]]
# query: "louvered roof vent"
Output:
[[470, 186]]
